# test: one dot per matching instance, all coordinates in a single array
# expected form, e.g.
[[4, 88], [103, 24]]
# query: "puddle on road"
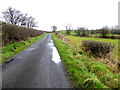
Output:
[[55, 55], [31, 49]]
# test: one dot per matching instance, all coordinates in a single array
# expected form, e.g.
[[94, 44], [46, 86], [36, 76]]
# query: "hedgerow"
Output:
[[96, 48], [13, 33]]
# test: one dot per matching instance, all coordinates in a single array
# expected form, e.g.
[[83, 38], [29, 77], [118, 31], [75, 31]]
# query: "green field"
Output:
[[84, 71], [73, 33], [76, 42], [12, 49], [106, 35]]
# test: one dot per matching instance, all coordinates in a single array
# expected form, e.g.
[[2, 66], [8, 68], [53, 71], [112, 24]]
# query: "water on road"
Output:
[[38, 66]]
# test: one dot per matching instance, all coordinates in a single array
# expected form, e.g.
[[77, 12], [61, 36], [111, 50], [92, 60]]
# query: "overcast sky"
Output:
[[92, 14]]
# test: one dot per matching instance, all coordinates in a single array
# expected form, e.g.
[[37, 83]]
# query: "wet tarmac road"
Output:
[[34, 68]]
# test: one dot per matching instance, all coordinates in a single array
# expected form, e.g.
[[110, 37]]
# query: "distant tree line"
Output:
[[103, 32], [16, 17]]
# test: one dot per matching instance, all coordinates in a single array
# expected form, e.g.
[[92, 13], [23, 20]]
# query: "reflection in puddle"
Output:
[[55, 54], [51, 44], [31, 49]]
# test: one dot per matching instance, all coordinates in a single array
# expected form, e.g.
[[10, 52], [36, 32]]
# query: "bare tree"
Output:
[[81, 31], [23, 20], [104, 31], [78, 31], [69, 28], [31, 22], [12, 15], [54, 28]]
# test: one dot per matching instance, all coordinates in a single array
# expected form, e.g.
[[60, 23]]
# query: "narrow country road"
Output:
[[34, 68]]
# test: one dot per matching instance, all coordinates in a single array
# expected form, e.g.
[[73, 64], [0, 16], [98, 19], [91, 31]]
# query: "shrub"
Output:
[[104, 32], [68, 32], [96, 48], [78, 32], [82, 32]]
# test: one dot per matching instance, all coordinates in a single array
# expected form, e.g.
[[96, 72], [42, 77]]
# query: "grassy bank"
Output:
[[12, 49], [85, 72]]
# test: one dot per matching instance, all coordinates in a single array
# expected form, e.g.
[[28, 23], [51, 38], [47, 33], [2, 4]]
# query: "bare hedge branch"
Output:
[[96, 48]]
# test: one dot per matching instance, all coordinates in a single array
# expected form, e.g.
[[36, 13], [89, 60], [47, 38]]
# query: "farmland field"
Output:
[[93, 35], [85, 71], [76, 42]]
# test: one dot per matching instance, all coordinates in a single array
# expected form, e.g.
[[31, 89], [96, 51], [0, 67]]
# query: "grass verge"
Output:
[[85, 72], [12, 49]]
